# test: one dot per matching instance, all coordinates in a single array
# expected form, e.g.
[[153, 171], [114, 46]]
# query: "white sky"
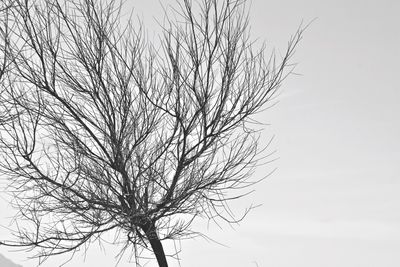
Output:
[[334, 200]]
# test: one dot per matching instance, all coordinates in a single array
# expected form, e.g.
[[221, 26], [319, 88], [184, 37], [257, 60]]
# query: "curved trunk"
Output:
[[158, 250]]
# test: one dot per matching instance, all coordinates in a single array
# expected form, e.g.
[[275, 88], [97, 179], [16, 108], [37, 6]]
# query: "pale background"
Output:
[[335, 198]]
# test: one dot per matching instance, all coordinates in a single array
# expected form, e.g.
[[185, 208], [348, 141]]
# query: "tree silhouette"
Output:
[[109, 132]]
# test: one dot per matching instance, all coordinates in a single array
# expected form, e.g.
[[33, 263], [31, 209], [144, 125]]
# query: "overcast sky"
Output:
[[334, 200]]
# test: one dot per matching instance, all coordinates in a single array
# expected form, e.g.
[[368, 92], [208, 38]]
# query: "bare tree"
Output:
[[112, 133]]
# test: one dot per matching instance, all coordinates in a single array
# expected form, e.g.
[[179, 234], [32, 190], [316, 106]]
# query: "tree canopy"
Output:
[[106, 131]]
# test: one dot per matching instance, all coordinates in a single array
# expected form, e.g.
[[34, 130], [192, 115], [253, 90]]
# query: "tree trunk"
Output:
[[158, 250]]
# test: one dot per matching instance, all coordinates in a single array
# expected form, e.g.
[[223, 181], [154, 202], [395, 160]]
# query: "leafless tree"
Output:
[[113, 133]]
